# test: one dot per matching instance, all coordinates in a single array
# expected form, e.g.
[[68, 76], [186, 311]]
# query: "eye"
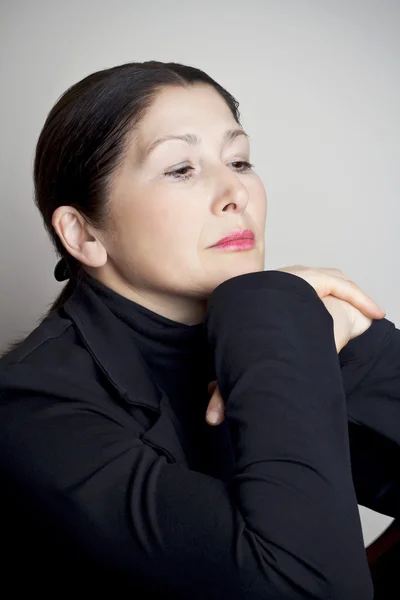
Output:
[[243, 167], [186, 172], [182, 173]]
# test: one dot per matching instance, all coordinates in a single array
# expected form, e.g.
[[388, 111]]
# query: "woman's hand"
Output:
[[351, 309], [333, 282], [348, 321]]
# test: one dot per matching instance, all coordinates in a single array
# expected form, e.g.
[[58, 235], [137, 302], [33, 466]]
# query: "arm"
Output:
[[370, 367], [287, 524]]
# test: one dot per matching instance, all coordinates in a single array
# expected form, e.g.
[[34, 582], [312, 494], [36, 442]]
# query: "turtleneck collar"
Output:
[[148, 324], [164, 343]]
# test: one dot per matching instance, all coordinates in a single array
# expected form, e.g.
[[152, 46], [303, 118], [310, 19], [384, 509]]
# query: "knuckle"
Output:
[[338, 274]]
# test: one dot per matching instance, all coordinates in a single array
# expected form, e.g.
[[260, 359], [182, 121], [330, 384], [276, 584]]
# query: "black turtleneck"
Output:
[[181, 364], [177, 354]]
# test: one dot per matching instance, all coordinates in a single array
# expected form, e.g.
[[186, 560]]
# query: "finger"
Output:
[[215, 409], [336, 283], [371, 305], [216, 402], [214, 417], [348, 290]]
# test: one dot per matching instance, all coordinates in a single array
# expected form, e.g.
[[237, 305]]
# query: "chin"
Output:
[[243, 269], [244, 262], [234, 270]]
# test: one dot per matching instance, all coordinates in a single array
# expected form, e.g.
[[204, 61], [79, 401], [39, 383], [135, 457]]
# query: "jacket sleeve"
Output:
[[286, 526], [370, 366]]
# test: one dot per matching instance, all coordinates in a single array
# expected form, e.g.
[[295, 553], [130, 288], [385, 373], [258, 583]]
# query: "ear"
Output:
[[78, 237]]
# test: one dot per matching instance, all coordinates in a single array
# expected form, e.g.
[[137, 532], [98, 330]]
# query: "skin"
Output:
[[156, 248]]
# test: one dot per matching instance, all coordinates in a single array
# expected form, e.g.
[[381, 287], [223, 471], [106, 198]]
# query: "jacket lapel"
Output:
[[120, 360], [164, 434]]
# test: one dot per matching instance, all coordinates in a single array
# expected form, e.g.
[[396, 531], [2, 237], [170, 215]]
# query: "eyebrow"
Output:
[[193, 140]]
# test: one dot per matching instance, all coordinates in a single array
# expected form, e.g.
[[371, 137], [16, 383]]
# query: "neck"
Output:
[[182, 309]]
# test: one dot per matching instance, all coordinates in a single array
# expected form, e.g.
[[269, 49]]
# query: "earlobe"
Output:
[[78, 237], [94, 253]]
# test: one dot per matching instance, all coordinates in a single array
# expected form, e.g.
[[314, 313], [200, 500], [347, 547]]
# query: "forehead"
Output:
[[179, 109]]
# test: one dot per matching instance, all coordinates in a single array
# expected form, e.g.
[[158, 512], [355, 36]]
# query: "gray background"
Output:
[[319, 89]]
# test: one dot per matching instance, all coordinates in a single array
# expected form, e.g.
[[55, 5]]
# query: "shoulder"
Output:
[[51, 358], [51, 329]]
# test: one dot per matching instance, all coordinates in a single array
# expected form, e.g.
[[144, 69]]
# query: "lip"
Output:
[[236, 236]]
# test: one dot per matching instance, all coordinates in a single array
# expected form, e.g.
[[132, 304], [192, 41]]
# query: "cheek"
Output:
[[178, 234], [160, 229], [139, 220], [175, 218]]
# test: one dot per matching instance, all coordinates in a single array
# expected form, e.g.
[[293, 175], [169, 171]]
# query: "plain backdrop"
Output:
[[319, 89]]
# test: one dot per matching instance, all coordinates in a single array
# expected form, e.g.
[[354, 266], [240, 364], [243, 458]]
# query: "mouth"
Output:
[[237, 240]]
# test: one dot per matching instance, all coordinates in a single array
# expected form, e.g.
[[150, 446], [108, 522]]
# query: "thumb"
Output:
[[215, 409]]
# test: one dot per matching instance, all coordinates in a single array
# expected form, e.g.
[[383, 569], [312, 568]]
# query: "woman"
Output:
[[112, 479]]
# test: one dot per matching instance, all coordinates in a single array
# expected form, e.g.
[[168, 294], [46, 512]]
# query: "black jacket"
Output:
[[98, 494]]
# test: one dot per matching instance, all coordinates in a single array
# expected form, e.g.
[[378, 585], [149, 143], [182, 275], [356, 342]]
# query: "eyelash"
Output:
[[182, 177]]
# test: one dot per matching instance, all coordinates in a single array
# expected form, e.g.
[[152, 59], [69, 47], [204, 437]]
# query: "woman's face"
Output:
[[171, 202]]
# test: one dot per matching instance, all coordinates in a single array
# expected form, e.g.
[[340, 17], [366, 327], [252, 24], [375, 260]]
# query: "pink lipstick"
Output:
[[237, 240]]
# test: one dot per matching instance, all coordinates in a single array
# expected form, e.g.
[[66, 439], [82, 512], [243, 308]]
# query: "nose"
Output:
[[230, 192]]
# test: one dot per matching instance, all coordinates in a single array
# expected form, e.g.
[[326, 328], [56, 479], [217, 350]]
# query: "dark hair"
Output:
[[83, 139]]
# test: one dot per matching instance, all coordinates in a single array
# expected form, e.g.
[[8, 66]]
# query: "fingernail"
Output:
[[213, 416]]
